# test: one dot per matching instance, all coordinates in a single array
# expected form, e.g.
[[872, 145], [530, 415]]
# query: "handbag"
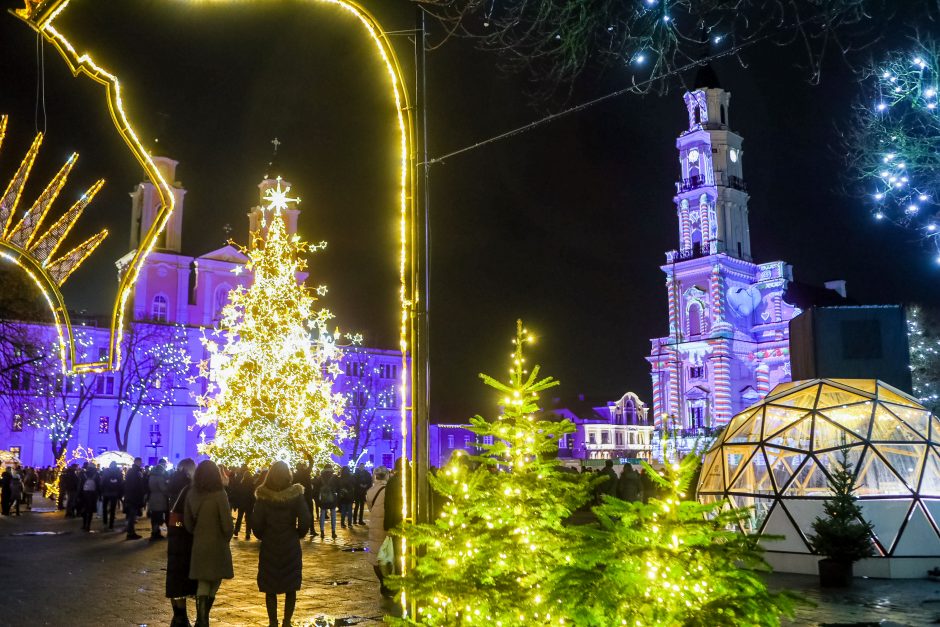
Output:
[[176, 520], [386, 556]]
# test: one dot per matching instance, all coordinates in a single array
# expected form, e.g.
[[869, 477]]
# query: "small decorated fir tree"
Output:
[[270, 392], [669, 561], [488, 557], [843, 535]]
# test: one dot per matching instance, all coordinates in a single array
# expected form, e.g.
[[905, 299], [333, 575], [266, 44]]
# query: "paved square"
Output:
[[55, 574]]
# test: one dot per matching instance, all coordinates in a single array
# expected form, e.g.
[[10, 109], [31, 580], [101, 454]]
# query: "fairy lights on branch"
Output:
[[894, 145]]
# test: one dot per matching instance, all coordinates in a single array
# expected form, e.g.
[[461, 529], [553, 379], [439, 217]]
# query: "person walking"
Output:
[[68, 485], [280, 520], [30, 484], [316, 482], [329, 489], [179, 546], [6, 491], [158, 503], [112, 488], [363, 482], [628, 487], [90, 482], [375, 500], [208, 516], [134, 491], [302, 477], [346, 494]]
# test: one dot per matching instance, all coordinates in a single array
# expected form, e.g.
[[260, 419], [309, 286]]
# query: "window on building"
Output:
[[697, 417], [467, 442], [104, 424], [592, 438], [19, 380], [488, 440], [69, 385], [17, 423], [695, 319], [159, 308], [221, 298], [618, 438], [605, 437], [104, 384], [563, 441], [450, 441], [387, 432], [696, 372], [387, 460]]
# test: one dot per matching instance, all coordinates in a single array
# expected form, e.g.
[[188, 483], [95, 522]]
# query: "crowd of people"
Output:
[[201, 509]]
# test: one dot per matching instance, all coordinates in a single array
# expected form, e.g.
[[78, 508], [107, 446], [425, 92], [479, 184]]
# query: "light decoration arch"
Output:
[[41, 16]]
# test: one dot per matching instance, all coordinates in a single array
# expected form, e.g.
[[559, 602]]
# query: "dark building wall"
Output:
[[864, 342]]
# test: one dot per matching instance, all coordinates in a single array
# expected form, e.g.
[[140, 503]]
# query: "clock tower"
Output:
[[728, 341]]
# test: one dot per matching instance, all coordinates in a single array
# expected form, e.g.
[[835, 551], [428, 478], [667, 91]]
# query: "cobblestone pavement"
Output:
[[55, 574]]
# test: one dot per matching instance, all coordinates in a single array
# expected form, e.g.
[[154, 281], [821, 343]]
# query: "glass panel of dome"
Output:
[[877, 477], [711, 476], [935, 429], [907, 460], [778, 418], [887, 428], [827, 435], [757, 510], [734, 456], [831, 396], [781, 388], [804, 512], [917, 419], [782, 464], [856, 418], [887, 394], [805, 398], [739, 420], [796, 436], [748, 432], [754, 477], [865, 385], [809, 480], [930, 482]]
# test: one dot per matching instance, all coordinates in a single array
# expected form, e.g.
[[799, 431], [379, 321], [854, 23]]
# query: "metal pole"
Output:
[[420, 402]]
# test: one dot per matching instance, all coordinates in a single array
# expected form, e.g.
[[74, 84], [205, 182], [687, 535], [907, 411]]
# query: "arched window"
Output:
[[220, 300], [723, 114], [694, 316], [159, 308]]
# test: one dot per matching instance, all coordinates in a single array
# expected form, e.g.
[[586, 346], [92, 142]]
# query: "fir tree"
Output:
[[843, 535], [488, 558], [924, 346], [669, 561], [270, 394]]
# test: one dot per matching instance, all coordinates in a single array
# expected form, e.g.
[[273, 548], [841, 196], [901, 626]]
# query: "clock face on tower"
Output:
[[734, 155], [693, 155]]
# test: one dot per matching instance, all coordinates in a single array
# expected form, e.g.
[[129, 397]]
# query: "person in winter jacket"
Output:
[[179, 546], [158, 503], [280, 520], [90, 482], [302, 477], [30, 484], [628, 487], [347, 492], [135, 490], [208, 516], [363, 482], [68, 489], [328, 498], [112, 489], [375, 501], [6, 491]]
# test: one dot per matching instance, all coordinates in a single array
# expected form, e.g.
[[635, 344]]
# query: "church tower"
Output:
[[728, 341]]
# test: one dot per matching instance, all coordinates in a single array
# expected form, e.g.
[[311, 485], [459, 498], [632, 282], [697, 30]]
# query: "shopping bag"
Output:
[[386, 555]]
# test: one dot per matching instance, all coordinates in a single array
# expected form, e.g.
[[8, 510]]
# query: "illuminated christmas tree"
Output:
[[486, 559], [925, 358], [669, 561], [272, 359]]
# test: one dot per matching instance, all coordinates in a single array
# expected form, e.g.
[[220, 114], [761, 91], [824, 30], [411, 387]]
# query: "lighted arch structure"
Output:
[[41, 16]]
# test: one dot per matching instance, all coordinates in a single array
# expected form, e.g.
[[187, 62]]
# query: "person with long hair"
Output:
[[208, 516], [280, 520], [179, 546]]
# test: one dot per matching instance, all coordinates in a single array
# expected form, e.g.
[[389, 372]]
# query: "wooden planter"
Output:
[[834, 574]]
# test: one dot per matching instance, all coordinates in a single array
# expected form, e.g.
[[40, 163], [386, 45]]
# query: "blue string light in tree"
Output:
[[896, 145]]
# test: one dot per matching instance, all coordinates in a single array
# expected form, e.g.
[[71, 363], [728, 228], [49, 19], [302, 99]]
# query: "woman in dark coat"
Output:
[[280, 519], [208, 516], [179, 546]]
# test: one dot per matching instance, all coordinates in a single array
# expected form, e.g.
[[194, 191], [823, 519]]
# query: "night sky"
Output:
[[565, 226]]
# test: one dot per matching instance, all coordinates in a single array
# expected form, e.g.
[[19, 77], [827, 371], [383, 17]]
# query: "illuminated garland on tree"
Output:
[[925, 360], [894, 145], [487, 559], [271, 359], [669, 561]]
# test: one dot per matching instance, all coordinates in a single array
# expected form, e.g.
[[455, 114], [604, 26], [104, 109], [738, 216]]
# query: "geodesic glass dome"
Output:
[[776, 456]]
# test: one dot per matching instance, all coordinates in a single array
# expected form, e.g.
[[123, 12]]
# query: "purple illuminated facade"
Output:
[[185, 295], [728, 341]]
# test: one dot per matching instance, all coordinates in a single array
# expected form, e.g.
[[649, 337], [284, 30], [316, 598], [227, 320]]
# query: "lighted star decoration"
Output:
[[277, 197]]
